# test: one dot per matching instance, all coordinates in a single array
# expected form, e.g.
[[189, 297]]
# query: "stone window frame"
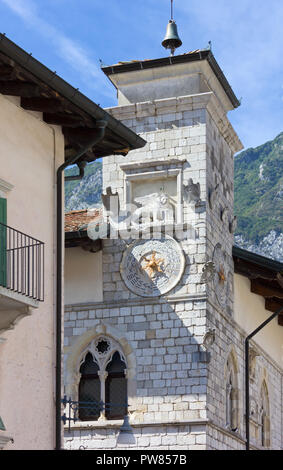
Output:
[[264, 415], [231, 381], [137, 171], [78, 350], [102, 360]]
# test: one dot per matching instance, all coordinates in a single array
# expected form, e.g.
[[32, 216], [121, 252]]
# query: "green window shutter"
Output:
[[3, 242]]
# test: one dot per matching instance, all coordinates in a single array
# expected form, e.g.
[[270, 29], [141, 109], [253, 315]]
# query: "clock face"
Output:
[[151, 268], [221, 273]]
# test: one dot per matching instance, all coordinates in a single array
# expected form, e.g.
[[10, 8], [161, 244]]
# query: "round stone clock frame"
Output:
[[151, 268]]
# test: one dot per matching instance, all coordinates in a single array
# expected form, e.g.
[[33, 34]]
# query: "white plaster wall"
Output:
[[83, 276], [250, 312], [30, 153]]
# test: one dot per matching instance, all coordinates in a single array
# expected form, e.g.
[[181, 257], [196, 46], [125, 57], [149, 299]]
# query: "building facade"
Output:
[[157, 313], [31, 151]]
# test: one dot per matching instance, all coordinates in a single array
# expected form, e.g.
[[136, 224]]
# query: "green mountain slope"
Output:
[[259, 190], [84, 193]]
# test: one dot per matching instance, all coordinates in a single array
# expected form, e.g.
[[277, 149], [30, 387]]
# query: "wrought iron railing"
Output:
[[91, 410], [21, 263]]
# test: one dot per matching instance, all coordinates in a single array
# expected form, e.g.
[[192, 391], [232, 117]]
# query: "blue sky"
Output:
[[70, 36]]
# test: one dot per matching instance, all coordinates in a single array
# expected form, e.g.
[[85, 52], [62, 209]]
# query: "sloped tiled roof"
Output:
[[79, 220]]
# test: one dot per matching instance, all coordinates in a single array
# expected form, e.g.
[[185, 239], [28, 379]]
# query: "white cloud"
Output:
[[247, 43], [67, 49], [247, 34]]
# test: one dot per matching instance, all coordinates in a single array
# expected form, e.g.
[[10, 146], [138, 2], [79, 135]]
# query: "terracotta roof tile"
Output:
[[79, 220]]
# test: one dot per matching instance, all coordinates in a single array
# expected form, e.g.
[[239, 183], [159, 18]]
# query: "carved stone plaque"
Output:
[[151, 268]]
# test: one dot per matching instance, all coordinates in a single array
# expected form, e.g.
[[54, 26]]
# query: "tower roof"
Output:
[[192, 56]]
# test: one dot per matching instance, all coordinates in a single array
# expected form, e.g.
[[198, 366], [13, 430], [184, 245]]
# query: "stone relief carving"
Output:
[[155, 208], [224, 214], [253, 409], [209, 338], [252, 362], [208, 271], [191, 192], [233, 224], [213, 195], [221, 274], [151, 268]]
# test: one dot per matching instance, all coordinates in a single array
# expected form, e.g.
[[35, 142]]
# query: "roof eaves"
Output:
[[267, 263], [28, 62]]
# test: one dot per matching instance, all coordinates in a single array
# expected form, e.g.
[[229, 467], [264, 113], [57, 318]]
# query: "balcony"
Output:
[[21, 275]]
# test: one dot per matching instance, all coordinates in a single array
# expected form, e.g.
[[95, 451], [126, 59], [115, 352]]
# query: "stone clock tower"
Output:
[[162, 337], [175, 289]]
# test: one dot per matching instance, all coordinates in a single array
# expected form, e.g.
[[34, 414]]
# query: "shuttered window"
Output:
[[89, 390], [116, 388]]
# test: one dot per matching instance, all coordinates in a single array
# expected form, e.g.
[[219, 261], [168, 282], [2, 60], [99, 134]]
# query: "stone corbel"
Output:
[[10, 324]]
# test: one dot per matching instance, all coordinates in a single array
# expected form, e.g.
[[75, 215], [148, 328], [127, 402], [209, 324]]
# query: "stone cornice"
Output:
[[151, 163], [135, 302], [139, 424], [161, 106], [223, 124]]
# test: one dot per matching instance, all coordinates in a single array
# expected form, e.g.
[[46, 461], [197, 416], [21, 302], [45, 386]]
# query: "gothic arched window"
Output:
[[89, 389], [102, 387], [116, 388], [264, 416]]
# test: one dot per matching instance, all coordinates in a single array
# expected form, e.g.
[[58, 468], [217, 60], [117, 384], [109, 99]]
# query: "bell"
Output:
[[171, 40]]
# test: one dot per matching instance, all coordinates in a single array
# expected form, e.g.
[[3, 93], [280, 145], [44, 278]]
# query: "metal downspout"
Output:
[[99, 134], [247, 375], [80, 176]]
